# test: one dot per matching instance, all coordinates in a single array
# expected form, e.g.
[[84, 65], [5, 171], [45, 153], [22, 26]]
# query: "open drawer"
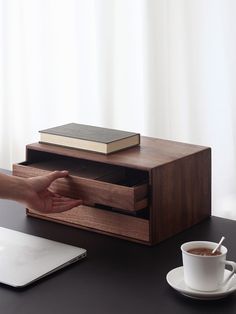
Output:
[[95, 183]]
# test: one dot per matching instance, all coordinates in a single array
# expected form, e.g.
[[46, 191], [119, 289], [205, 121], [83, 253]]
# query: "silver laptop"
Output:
[[25, 258]]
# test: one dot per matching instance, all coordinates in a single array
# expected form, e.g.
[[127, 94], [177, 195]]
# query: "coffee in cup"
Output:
[[203, 270], [203, 251]]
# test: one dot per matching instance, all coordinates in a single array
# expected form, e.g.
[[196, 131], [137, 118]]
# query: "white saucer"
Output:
[[175, 279]]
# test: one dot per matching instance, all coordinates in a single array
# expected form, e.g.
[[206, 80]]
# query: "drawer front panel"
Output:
[[102, 221], [93, 191]]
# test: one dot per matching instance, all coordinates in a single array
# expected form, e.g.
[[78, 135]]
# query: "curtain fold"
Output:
[[164, 68]]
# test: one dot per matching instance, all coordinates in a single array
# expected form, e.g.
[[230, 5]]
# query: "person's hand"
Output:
[[41, 198]]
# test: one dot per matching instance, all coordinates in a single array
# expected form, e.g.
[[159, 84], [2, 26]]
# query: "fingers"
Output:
[[57, 203], [61, 204]]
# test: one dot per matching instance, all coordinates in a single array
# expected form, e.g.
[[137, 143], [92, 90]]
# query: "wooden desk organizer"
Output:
[[143, 194]]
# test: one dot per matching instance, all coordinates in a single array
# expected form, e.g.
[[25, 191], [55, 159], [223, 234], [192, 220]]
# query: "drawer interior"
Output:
[[87, 169]]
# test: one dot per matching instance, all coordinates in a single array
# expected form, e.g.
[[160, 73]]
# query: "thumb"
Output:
[[57, 175]]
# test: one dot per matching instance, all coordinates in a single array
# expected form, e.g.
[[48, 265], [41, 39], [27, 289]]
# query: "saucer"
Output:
[[175, 279]]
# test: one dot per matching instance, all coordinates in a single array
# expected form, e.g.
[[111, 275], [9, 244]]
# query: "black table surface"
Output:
[[116, 277]]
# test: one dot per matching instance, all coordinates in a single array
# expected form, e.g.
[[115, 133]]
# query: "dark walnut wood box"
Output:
[[144, 194]]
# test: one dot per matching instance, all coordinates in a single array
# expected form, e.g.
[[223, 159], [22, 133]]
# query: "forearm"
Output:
[[13, 188]]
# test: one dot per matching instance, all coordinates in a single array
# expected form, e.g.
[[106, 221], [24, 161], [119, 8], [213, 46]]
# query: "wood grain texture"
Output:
[[181, 195], [123, 197], [101, 220], [150, 154]]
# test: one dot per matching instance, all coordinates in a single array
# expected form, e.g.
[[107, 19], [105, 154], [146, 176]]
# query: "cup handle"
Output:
[[233, 271]]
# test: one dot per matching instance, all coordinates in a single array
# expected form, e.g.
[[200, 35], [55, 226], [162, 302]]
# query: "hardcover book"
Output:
[[91, 138]]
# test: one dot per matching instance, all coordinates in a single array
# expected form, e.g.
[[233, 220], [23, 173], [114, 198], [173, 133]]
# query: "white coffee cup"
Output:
[[205, 273]]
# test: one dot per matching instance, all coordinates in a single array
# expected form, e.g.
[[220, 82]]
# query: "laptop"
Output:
[[25, 258]]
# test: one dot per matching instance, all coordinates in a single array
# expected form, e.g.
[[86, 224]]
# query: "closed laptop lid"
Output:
[[25, 258]]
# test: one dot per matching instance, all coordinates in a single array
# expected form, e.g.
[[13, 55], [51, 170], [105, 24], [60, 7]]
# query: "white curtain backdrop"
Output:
[[164, 68]]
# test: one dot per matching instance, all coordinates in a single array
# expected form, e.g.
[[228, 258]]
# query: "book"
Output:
[[91, 138]]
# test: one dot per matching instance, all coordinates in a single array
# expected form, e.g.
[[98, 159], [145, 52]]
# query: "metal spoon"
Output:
[[218, 245]]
